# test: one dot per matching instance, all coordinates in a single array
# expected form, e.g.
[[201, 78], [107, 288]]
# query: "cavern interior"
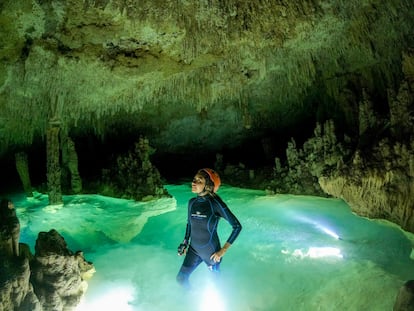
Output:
[[121, 97]]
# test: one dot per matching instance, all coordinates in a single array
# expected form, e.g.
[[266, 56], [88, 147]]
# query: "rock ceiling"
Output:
[[193, 75]]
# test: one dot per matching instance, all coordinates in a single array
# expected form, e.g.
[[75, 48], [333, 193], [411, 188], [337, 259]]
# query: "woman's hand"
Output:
[[216, 257], [182, 248]]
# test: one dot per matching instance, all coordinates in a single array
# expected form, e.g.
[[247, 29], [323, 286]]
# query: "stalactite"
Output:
[[196, 52]]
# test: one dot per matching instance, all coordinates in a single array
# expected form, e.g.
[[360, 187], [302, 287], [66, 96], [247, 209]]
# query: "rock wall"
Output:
[[378, 181], [374, 191], [374, 172]]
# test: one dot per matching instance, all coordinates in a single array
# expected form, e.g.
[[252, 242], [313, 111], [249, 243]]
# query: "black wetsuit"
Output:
[[204, 213]]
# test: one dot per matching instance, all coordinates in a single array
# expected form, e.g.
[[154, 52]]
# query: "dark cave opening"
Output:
[[96, 153]]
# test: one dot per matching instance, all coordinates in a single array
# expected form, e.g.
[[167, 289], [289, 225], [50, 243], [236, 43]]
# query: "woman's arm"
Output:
[[225, 212]]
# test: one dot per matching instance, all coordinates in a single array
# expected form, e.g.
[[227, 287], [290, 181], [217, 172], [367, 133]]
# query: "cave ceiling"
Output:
[[192, 75]]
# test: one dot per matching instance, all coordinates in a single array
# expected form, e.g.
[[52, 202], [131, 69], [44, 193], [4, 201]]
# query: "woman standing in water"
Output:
[[201, 238]]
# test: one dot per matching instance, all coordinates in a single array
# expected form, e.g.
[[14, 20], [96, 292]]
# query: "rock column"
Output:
[[53, 164]]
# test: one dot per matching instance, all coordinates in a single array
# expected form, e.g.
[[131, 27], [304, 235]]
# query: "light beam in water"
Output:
[[329, 232], [316, 252], [113, 297], [318, 225], [211, 299]]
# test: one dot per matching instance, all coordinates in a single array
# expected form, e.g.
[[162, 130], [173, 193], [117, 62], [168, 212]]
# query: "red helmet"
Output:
[[215, 178]]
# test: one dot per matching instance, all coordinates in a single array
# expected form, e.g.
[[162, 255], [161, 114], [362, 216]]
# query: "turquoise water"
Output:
[[294, 253]]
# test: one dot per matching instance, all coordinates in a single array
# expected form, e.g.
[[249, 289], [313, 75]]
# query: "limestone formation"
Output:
[[57, 273], [16, 291], [231, 69], [134, 176], [54, 279], [70, 163], [373, 172], [9, 229], [53, 166], [378, 182], [380, 187], [304, 166]]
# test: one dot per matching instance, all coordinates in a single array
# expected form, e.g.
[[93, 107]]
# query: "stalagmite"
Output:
[[22, 167], [70, 161]]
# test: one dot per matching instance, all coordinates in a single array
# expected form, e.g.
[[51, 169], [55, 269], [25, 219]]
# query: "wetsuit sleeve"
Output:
[[188, 228], [187, 232], [222, 210]]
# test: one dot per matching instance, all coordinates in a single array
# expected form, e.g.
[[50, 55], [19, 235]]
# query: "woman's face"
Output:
[[198, 184]]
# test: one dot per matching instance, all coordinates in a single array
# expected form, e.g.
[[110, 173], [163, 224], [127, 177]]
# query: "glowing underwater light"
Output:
[[316, 252], [211, 300], [329, 232], [319, 226], [115, 298]]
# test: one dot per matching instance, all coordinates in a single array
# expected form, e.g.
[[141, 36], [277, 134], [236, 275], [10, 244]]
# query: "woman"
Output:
[[201, 238]]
